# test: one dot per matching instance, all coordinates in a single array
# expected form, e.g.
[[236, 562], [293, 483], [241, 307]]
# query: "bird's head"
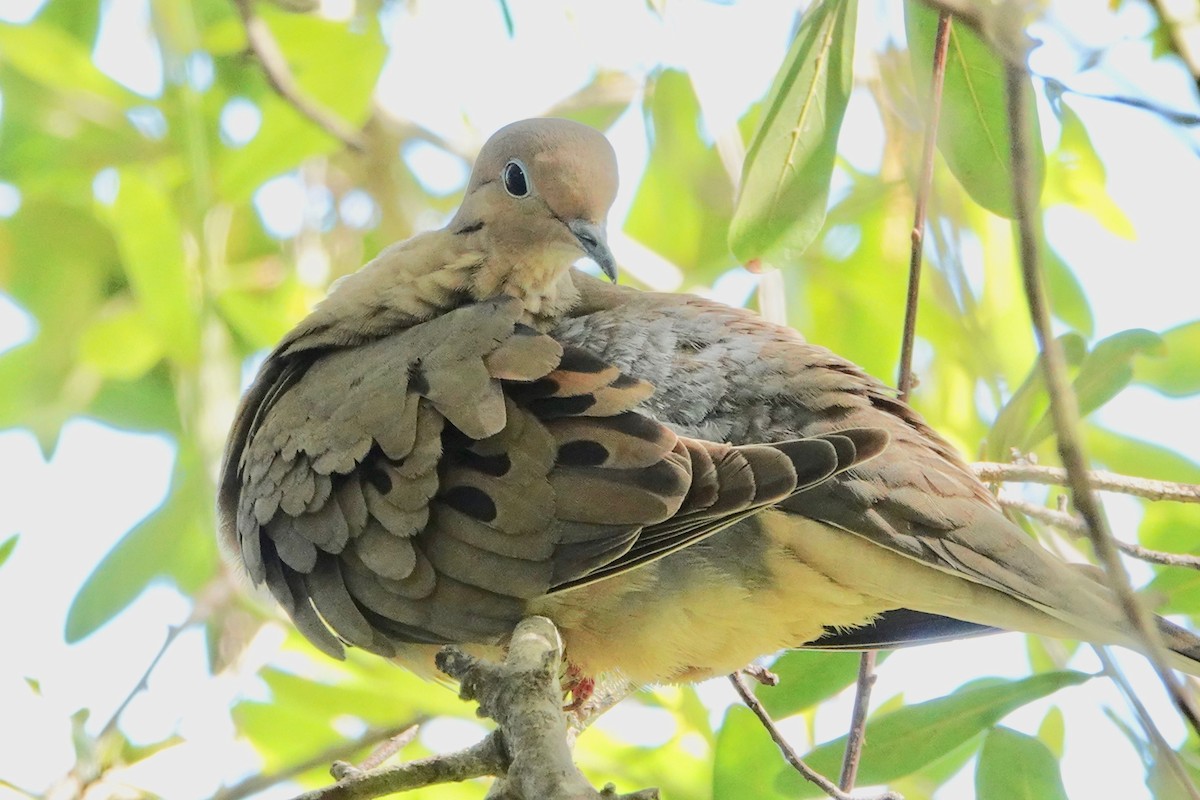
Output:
[[539, 196]]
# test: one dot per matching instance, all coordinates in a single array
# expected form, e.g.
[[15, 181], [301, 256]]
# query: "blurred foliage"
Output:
[[152, 278]]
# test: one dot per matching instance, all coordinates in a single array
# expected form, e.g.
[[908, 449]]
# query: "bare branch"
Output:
[[529, 754], [1190, 59], [480, 760], [924, 189], [812, 776], [1165, 752], [1001, 25], [1103, 481], [1074, 525], [1063, 406], [257, 783], [275, 67], [856, 737]]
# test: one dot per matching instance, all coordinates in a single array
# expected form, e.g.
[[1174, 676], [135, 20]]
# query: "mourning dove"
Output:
[[468, 431]]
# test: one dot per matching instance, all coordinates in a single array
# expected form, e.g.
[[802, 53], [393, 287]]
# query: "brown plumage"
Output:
[[467, 431]]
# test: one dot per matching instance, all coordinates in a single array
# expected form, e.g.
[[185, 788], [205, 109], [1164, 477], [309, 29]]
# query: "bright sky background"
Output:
[[100, 482]]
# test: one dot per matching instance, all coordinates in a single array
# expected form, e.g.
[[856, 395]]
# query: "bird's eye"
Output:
[[516, 182]]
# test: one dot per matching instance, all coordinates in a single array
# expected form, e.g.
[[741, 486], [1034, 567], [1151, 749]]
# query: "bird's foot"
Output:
[[579, 686]]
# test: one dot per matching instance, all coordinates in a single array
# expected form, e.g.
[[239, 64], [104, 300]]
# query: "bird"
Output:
[[471, 429]]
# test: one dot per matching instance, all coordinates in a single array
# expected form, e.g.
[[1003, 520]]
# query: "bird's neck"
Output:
[[540, 280], [427, 275]]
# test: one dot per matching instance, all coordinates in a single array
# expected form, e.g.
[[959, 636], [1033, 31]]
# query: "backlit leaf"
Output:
[[973, 134], [892, 750], [785, 180], [1013, 766], [1173, 369]]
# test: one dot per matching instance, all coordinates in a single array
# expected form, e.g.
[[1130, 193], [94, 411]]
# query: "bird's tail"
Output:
[[1184, 646]]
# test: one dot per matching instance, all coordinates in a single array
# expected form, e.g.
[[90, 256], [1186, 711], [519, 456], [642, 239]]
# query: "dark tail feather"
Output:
[[900, 627], [1185, 645]]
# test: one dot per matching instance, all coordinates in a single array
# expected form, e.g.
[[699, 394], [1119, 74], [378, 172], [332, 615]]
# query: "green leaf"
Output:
[[121, 345], [148, 403], [7, 547], [261, 316], [60, 269], [806, 677], [285, 137], [297, 721], [601, 102], [1076, 177], [1171, 527], [892, 749], [746, 761], [1029, 403], [1053, 731], [1103, 374], [1068, 302], [973, 134], [150, 239], [785, 180], [1013, 766], [1130, 456], [1172, 371], [47, 55], [684, 202], [175, 542]]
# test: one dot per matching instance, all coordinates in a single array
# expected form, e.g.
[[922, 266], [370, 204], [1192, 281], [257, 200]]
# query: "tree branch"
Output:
[[1063, 405], [257, 783], [1178, 43], [1104, 481], [855, 738], [529, 754], [808, 773], [275, 67], [480, 760], [1165, 752], [1076, 526]]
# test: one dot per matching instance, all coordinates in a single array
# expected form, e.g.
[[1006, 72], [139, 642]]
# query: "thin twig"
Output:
[[1147, 722], [809, 774], [992, 472], [924, 189], [1178, 43], [389, 747], [275, 67], [1074, 525], [144, 682], [477, 761], [1063, 406], [257, 783], [856, 737]]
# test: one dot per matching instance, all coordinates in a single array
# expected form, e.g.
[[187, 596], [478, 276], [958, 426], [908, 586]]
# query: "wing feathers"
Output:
[[422, 487]]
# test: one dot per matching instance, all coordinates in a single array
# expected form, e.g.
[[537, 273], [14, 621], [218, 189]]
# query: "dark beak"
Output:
[[595, 244]]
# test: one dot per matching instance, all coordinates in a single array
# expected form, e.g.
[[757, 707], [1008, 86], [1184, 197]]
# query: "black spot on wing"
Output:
[[495, 465], [576, 360], [378, 478], [533, 390], [582, 453], [554, 407], [471, 501]]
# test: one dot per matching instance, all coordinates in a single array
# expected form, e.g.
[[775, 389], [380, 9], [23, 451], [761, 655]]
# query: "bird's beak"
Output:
[[595, 243]]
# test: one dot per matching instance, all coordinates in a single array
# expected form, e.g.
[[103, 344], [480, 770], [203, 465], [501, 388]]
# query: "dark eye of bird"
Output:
[[515, 182]]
